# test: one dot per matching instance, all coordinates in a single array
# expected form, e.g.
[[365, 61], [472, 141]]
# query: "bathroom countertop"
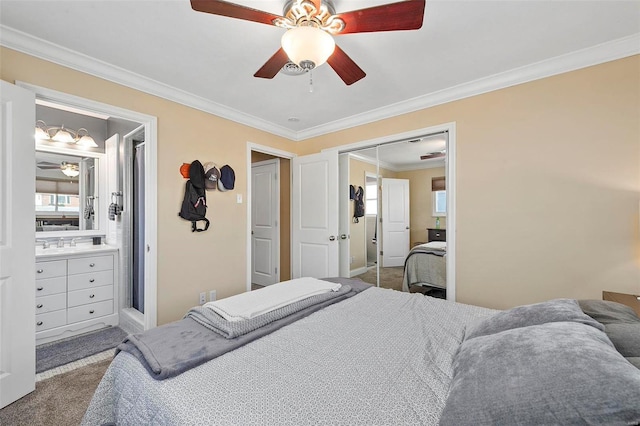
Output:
[[80, 249]]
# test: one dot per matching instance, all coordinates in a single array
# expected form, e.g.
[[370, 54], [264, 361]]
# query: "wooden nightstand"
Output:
[[436, 234], [626, 299]]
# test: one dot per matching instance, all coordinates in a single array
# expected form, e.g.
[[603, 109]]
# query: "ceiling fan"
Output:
[[69, 169], [431, 155], [311, 24]]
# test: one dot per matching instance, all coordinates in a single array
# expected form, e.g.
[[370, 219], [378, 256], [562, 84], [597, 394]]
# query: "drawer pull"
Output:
[[91, 311], [92, 265], [40, 271], [39, 323], [92, 280], [39, 305], [40, 288], [91, 296]]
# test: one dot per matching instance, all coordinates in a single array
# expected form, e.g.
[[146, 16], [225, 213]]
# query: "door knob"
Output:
[[343, 236], [407, 227], [332, 238]]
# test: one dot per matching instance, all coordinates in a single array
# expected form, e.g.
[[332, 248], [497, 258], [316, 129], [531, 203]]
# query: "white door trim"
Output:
[[450, 172], [276, 207], [151, 178], [265, 150]]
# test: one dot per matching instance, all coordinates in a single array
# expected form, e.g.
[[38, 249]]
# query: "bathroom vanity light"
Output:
[[64, 135]]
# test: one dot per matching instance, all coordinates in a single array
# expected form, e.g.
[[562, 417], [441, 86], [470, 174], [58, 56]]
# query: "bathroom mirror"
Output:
[[68, 199]]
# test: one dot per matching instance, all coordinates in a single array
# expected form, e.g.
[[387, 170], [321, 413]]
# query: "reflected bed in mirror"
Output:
[[67, 192]]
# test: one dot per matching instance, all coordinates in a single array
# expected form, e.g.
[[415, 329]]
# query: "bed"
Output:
[[425, 267], [388, 358]]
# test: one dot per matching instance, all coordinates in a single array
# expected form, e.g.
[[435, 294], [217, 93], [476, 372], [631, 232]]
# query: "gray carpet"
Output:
[[60, 400], [389, 277], [52, 355]]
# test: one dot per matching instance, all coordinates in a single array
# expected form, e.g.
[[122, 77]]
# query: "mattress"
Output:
[[381, 357]]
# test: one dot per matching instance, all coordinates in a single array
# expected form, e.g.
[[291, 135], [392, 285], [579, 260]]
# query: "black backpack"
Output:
[[358, 210], [194, 204]]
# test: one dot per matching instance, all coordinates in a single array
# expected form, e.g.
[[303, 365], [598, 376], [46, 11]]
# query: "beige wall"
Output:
[[285, 211], [188, 263], [420, 202], [548, 184]]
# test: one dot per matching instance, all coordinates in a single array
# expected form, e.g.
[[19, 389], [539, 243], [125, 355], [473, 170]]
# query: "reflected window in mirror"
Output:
[[371, 199], [439, 196], [66, 192]]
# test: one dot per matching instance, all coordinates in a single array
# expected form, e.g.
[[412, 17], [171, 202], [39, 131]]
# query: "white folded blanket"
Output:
[[257, 302]]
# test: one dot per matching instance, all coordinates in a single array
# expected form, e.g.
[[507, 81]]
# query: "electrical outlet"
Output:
[[351, 259], [212, 295], [203, 298]]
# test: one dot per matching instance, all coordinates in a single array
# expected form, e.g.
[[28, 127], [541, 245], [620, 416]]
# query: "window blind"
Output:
[[438, 183]]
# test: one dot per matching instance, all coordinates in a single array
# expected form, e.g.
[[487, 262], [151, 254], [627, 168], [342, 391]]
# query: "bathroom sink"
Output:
[[80, 248]]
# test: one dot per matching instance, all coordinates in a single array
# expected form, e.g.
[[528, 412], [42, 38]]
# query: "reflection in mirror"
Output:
[[397, 178], [66, 192]]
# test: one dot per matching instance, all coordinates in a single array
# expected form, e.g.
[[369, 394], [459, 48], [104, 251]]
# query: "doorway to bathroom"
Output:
[[130, 148]]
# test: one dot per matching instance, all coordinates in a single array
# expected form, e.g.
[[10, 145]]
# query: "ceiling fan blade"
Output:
[[433, 155], [344, 66], [231, 10], [43, 165], [404, 15], [273, 65]]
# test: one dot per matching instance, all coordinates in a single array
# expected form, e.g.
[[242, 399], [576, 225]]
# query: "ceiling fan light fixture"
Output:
[[70, 170], [308, 44]]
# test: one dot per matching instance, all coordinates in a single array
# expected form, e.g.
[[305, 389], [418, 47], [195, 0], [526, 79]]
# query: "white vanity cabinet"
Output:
[[75, 293]]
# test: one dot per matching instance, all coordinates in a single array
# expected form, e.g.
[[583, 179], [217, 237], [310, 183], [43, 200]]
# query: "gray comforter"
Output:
[[381, 357], [425, 266], [174, 348]]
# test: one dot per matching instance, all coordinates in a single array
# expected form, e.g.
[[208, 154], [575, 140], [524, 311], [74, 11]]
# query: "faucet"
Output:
[[73, 242], [61, 243], [45, 243]]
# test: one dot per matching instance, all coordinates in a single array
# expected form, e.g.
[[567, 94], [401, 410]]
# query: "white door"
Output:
[[314, 210], [395, 221], [17, 235], [265, 214]]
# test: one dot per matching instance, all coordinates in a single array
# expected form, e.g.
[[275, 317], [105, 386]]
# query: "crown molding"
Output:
[[594, 55], [26, 43], [605, 52]]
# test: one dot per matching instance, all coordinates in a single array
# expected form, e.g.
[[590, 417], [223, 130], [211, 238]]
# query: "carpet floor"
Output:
[[62, 352], [60, 400], [389, 277]]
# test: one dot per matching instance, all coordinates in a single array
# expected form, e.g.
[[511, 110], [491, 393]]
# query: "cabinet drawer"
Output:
[[92, 310], [54, 302], [55, 268], [51, 286], [437, 235], [51, 320], [92, 279], [90, 295], [90, 264]]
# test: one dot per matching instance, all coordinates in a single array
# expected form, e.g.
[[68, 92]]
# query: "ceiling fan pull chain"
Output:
[[310, 82]]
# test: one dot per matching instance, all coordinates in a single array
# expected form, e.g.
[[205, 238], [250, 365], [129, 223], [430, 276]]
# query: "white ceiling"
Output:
[[207, 61]]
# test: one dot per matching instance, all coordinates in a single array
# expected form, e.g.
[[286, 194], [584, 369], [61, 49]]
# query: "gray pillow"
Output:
[[527, 315], [607, 312], [625, 337], [634, 360], [555, 373]]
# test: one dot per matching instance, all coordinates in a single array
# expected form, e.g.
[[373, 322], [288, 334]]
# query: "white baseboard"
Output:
[[358, 271]]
